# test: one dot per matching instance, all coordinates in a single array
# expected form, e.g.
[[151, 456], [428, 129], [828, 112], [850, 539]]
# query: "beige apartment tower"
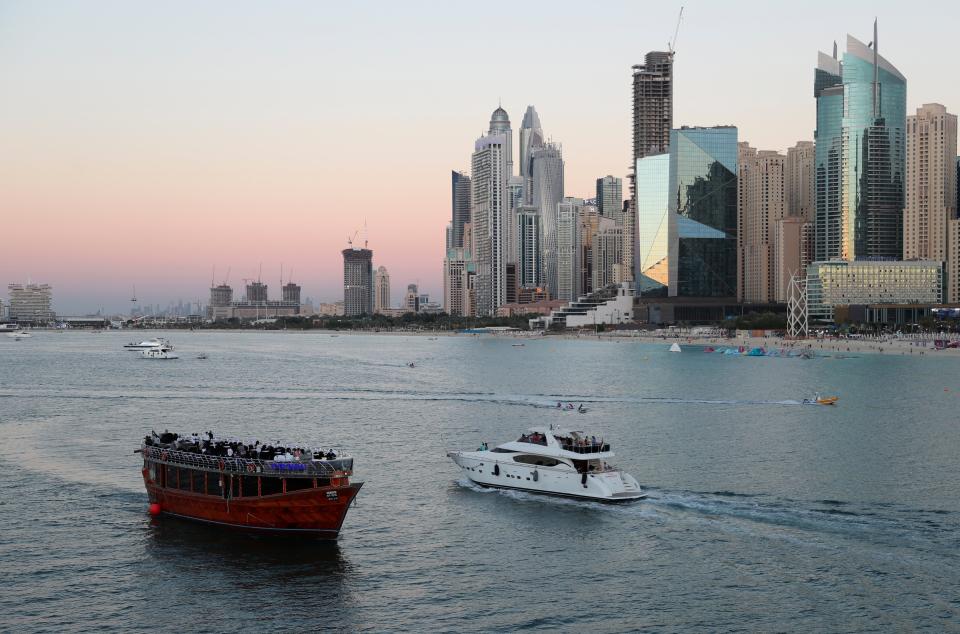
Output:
[[760, 205], [799, 185], [381, 297], [930, 191]]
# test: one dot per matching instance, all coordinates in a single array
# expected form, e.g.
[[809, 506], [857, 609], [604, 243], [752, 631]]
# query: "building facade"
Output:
[[860, 154], [610, 198], [490, 215], [529, 250], [381, 300], [607, 255], [871, 282], [760, 205], [568, 248], [653, 224], [931, 185], [547, 184], [357, 282], [652, 104], [702, 254], [799, 182], [458, 274], [411, 300], [30, 303], [459, 206]]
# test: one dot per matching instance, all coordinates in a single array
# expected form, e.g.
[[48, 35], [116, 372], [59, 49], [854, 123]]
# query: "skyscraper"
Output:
[[610, 198], [357, 281], [529, 255], [799, 183], [547, 162], [490, 212], [290, 293], [459, 205], [652, 104], [931, 182], [702, 250], [860, 154], [607, 254], [411, 301], [653, 224], [531, 138], [257, 292], [382, 290], [652, 122], [568, 274], [760, 205]]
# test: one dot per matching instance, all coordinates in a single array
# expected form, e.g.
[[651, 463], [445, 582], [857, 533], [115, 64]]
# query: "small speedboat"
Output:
[[552, 461], [821, 400], [202, 356], [518, 345], [17, 335], [160, 352]]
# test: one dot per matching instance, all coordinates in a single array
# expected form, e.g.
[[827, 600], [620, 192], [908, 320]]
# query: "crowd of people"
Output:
[[207, 445]]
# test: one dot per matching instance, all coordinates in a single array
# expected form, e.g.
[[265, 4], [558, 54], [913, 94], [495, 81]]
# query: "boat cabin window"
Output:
[[271, 486], [535, 438], [198, 481], [183, 483], [299, 484], [499, 450], [213, 484], [250, 489], [541, 461]]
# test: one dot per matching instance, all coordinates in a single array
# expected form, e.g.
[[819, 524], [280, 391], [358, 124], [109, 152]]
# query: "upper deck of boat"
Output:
[[281, 460], [560, 443]]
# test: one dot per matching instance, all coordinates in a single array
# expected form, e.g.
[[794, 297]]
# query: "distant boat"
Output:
[[158, 342], [17, 335], [159, 352], [675, 348], [518, 345], [709, 349], [202, 355]]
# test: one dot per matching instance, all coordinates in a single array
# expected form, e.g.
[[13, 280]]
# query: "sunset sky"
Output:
[[143, 143]]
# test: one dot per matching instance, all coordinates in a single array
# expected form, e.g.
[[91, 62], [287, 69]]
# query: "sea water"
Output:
[[764, 514]]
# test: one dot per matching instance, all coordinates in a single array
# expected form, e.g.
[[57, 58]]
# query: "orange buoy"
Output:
[[154, 509]]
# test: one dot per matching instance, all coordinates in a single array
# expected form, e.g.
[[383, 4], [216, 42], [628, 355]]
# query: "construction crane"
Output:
[[671, 45], [350, 239]]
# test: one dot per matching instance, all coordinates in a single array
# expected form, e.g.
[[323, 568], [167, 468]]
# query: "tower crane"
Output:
[[671, 45]]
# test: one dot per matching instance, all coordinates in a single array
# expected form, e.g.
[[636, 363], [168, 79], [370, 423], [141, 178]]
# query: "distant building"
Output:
[[610, 198], [543, 307], [382, 284], [529, 251], [30, 303], [358, 282], [221, 297], [547, 185], [607, 255], [411, 301], [530, 295], [589, 219], [459, 206], [331, 309], [652, 104], [291, 293], [839, 283], [931, 184], [799, 181], [760, 205], [568, 248], [860, 153], [792, 252], [458, 275], [256, 292], [531, 138], [687, 215]]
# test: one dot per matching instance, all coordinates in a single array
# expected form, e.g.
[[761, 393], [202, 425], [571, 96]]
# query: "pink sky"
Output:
[[144, 143]]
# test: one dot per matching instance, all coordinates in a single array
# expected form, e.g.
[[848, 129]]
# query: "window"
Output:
[[271, 486], [213, 484], [184, 479], [198, 485], [541, 461], [250, 486], [298, 484]]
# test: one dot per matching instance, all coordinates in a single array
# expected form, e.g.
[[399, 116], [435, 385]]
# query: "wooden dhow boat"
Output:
[[306, 492]]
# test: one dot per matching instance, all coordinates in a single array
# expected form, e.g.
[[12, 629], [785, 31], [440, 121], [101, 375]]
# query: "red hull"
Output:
[[318, 512]]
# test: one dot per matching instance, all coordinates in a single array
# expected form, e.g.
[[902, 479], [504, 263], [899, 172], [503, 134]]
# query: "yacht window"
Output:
[[499, 450], [271, 486], [249, 486], [213, 484], [197, 481], [297, 484], [541, 461]]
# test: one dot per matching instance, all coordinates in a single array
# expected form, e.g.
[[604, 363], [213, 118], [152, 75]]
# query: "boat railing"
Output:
[[340, 466]]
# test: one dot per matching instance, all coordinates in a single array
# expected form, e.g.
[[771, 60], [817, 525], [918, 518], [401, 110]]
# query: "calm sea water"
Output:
[[764, 514]]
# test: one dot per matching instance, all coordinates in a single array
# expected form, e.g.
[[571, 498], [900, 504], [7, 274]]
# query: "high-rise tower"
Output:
[[547, 194], [357, 281], [860, 153], [931, 185], [459, 206]]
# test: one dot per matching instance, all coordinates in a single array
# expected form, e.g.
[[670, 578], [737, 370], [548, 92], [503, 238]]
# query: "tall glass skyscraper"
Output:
[[860, 154], [460, 206], [702, 257], [653, 224]]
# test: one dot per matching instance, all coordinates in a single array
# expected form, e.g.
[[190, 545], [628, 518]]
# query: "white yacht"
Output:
[[17, 335], [553, 461], [147, 344], [159, 352]]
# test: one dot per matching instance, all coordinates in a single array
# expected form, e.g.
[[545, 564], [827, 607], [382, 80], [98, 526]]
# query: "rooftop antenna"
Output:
[[213, 276], [876, 73], [281, 275], [671, 45], [260, 274], [365, 235]]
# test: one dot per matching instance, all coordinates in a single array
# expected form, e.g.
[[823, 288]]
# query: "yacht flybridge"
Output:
[[553, 461]]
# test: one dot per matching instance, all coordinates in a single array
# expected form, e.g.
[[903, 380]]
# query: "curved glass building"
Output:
[[860, 154]]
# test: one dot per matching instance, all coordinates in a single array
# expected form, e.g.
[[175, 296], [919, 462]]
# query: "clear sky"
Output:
[[145, 142]]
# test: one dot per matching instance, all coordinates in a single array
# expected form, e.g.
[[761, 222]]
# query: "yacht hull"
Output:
[[485, 469]]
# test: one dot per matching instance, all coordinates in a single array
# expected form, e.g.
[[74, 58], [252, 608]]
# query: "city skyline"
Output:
[[221, 150]]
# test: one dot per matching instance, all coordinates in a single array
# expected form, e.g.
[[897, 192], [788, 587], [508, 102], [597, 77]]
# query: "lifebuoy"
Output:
[[250, 467], [163, 456]]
